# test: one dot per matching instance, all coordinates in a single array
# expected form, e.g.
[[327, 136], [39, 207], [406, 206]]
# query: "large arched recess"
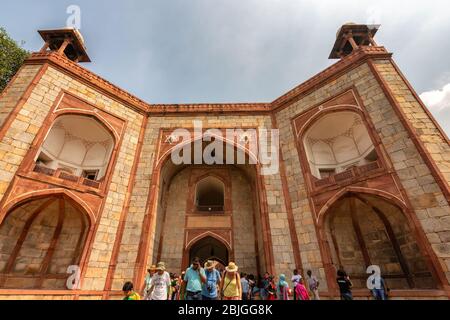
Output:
[[359, 227], [41, 236], [365, 126], [90, 167], [157, 189]]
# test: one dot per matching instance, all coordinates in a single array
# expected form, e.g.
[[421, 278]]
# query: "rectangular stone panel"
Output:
[[209, 221]]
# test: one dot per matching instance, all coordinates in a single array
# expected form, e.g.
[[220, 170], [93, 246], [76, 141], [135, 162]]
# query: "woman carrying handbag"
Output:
[[230, 285]]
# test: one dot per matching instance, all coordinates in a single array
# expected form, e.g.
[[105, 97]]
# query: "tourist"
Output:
[[380, 289], [175, 287], [129, 293], [301, 293], [345, 285], [148, 278], [283, 288], [252, 287], [209, 288], [193, 280], [295, 280], [160, 283], [313, 284], [245, 286], [272, 289], [230, 286], [264, 286], [182, 294]]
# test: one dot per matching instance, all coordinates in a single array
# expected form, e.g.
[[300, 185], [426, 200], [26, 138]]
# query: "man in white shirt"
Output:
[[160, 283]]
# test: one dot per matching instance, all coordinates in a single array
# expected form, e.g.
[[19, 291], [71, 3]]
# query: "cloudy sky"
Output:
[[185, 51]]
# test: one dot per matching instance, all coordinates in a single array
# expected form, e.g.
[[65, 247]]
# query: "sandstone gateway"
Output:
[[86, 179]]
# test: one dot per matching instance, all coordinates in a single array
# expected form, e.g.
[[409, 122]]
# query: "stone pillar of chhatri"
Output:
[[90, 196]]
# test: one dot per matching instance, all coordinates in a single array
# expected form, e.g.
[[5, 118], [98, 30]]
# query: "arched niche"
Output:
[[39, 240], [336, 142], [210, 195], [79, 145], [365, 229]]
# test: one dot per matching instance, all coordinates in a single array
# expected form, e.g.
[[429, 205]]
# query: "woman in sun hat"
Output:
[[230, 286], [147, 282], [209, 288]]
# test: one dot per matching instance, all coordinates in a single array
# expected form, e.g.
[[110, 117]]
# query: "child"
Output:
[[129, 293]]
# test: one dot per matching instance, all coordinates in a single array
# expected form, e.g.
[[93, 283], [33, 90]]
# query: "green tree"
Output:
[[12, 56]]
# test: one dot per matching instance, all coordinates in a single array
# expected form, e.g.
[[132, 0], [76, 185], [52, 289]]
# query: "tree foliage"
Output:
[[12, 56]]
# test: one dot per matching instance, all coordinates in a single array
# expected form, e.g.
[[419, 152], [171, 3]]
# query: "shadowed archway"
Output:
[[39, 240], [363, 230], [209, 248]]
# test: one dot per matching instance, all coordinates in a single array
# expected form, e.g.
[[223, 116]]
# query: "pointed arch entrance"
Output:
[[173, 219], [210, 248]]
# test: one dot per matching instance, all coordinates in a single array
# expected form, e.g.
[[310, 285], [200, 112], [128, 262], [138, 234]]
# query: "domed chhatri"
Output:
[[350, 36], [66, 41]]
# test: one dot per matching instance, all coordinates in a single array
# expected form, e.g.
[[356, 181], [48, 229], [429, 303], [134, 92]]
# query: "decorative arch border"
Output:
[[151, 209], [321, 215], [205, 235], [88, 113], [322, 111], [163, 158], [34, 195], [71, 103], [208, 175], [185, 260]]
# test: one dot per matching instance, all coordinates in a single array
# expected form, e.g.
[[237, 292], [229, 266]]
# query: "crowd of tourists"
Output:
[[208, 282]]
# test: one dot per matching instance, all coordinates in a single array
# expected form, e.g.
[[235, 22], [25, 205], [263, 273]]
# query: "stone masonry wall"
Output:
[[426, 130], [244, 233], [14, 92], [425, 193], [14, 146], [11, 229], [172, 247]]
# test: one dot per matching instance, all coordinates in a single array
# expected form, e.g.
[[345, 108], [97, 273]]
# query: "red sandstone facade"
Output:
[[373, 189]]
